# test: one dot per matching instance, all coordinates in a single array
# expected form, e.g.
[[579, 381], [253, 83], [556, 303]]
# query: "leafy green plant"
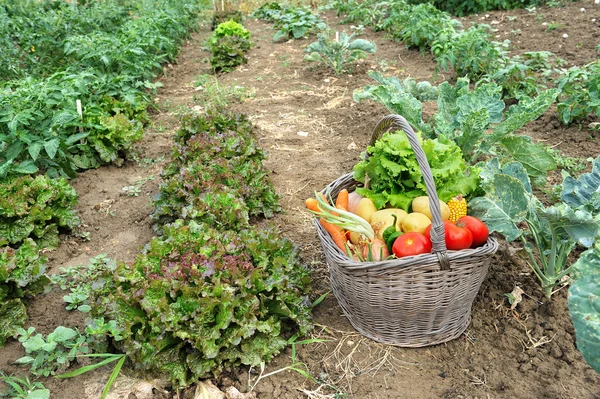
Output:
[[584, 306], [339, 54], [21, 275], [297, 23], [467, 7], [395, 177], [78, 280], [216, 174], [421, 25], [53, 354], [36, 207], [269, 11], [580, 93], [22, 388], [467, 117], [228, 46], [470, 52], [223, 16], [199, 300], [556, 230]]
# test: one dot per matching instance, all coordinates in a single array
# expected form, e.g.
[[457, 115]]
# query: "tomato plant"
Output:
[[411, 244], [477, 228]]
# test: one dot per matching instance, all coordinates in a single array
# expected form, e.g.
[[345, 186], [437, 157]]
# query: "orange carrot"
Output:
[[312, 204], [337, 233], [341, 202]]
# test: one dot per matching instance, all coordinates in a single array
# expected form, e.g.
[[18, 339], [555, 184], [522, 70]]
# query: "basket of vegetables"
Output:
[[404, 269]]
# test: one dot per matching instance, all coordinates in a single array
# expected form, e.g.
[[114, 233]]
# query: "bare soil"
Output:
[[528, 352]]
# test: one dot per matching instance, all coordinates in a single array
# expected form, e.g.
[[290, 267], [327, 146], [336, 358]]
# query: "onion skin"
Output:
[[353, 200], [379, 250]]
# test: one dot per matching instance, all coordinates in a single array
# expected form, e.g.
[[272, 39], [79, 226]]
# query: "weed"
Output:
[[554, 26], [19, 388], [216, 96], [136, 189]]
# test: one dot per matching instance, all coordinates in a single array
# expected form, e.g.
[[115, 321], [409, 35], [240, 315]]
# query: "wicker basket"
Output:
[[413, 301]]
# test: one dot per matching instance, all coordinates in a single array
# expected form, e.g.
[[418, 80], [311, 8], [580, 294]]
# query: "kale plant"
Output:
[[269, 11], [228, 46], [339, 54], [36, 207], [476, 120], [199, 301], [509, 205]]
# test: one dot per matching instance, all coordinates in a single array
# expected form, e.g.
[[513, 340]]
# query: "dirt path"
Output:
[[528, 353]]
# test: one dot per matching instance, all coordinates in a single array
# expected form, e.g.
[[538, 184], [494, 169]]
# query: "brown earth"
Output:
[[524, 353]]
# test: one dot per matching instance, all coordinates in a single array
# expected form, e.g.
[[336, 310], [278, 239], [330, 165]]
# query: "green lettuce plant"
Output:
[[200, 300], [340, 54], [509, 204], [395, 177], [21, 275], [36, 207], [228, 46]]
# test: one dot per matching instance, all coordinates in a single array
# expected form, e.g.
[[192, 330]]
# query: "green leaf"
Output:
[[27, 167], [62, 334], [505, 204], [585, 190], [579, 225], [72, 139], [34, 149], [527, 110], [51, 147], [534, 157], [584, 306], [39, 394], [12, 317]]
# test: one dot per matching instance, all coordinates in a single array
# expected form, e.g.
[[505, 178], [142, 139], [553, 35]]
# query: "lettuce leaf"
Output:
[[395, 177]]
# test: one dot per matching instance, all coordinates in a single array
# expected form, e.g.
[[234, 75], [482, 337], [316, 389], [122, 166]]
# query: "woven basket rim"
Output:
[[342, 259]]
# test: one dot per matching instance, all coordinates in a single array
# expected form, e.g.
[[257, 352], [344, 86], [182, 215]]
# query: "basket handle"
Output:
[[437, 229]]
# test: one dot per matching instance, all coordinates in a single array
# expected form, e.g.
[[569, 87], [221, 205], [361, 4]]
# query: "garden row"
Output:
[[209, 292], [472, 128], [73, 96]]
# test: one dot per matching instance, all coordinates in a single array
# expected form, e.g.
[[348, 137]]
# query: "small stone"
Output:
[[565, 36], [303, 134], [582, 9], [326, 80]]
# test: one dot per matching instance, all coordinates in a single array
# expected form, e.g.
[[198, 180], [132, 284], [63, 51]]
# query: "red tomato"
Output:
[[457, 237], [478, 229], [409, 244]]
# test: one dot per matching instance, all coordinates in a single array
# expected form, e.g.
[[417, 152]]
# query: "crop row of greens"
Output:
[[474, 54], [211, 291], [56, 53]]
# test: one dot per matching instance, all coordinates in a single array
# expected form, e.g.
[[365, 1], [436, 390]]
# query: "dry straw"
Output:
[[413, 301]]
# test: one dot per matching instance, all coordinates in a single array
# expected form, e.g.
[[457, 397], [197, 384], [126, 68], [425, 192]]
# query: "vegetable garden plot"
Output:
[[542, 359]]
